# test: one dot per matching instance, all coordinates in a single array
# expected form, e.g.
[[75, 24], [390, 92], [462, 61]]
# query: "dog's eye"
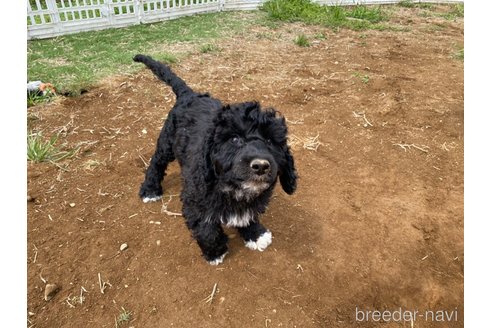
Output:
[[236, 140]]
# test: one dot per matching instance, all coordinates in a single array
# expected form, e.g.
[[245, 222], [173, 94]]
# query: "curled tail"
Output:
[[164, 73]]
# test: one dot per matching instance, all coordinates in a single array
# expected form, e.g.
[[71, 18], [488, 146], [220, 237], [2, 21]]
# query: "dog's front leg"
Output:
[[256, 236], [212, 241]]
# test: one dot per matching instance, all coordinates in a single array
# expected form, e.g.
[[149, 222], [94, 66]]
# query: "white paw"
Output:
[[218, 260], [261, 243], [151, 199]]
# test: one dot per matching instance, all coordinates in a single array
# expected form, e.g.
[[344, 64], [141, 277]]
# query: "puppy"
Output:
[[230, 158]]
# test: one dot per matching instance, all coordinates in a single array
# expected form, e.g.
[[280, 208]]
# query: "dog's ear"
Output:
[[288, 173], [277, 130]]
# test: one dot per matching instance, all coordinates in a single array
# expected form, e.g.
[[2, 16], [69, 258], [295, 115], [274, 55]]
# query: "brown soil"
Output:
[[374, 224]]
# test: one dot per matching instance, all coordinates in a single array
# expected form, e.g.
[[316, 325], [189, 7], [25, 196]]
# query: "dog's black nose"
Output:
[[260, 166]]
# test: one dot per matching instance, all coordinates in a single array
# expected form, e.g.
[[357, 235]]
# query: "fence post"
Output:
[[54, 15], [140, 5], [109, 12], [221, 5]]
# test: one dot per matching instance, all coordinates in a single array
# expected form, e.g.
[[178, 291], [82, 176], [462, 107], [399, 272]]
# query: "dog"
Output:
[[231, 157]]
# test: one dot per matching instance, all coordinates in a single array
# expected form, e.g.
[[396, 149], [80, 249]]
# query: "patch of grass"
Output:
[[371, 14], [320, 36], [353, 17], [266, 35], [406, 4], [302, 41], [76, 62], [363, 77], [206, 48], [437, 26], [91, 164], [459, 54], [34, 99], [456, 11], [41, 150], [424, 5], [167, 58], [271, 24], [124, 317]]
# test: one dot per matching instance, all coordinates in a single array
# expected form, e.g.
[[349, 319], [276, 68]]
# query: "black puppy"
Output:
[[230, 158]]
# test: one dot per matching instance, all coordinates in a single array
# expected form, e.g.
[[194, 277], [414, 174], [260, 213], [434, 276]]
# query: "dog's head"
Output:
[[250, 151]]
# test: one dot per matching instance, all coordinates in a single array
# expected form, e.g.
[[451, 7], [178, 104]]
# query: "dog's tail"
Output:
[[165, 74]]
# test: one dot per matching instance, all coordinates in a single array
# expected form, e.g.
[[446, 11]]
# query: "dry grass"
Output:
[[310, 143]]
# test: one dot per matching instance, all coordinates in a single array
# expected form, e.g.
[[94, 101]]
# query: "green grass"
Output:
[[206, 48], [456, 11], [41, 150], [302, 41], [167, 58], [78, 61], [406, 4], [34, 99], [352, 17], [459, 54], [363, 77], [124, 317]]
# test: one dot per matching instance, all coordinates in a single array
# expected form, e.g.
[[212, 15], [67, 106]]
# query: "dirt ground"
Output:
[[376, 128]]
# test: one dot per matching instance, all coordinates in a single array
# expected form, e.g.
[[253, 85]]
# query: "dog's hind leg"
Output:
[[151, 189], [256, 236]]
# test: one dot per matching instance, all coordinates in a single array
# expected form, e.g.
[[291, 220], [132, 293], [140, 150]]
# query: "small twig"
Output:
[[104, 209], [251, 274], [166, 211], [363, 116], [137, 120], [408, 146], [102, 193], [42, 279], [102, 284], [301, 121], [115, 117], [144, 161], [82, 297], [210, 297], [68, 302]]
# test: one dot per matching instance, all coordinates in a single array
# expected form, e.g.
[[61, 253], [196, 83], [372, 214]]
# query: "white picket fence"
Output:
[[50, 18]]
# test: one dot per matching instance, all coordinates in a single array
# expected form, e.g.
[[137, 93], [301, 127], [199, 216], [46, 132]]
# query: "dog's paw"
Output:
[[218, 260], [148, 199], [261, 243]]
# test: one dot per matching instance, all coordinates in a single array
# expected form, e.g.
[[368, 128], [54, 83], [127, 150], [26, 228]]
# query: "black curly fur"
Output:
[[216, 146]]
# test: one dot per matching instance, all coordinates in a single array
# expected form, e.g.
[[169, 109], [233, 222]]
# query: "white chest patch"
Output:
[[238, 220]]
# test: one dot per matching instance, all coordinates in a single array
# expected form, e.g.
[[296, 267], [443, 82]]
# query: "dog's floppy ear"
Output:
[[277, 129], [288, 173]]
